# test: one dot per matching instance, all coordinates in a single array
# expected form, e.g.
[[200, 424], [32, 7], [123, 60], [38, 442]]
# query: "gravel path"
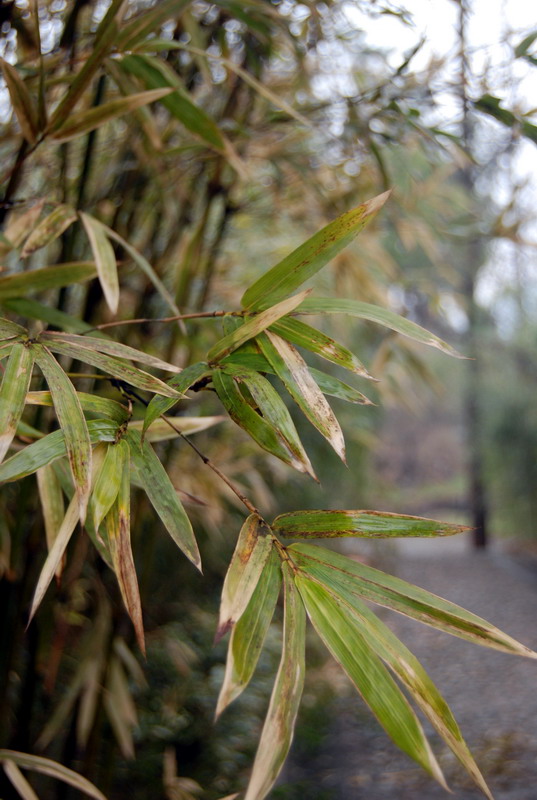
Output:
[[493, 696]]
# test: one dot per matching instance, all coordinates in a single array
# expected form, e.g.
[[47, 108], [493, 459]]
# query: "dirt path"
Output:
[[493, 696]]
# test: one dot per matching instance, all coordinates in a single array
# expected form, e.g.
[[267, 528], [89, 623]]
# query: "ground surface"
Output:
[[493, 696]]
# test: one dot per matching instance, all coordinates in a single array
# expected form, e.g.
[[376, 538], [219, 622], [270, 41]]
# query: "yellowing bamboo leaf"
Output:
[[108, 481], [112, 348], [278, 729], [376, 524], [15, 383], [105, 259], [293, 371], [248, 634], [49, 229], [161, 431], [51, 497], [19, 781], [22, 102], [38, 280], [251, 553], [102, 406], [47, 767], [72, 423]]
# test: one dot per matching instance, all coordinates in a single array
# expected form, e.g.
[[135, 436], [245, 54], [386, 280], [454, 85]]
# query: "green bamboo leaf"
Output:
[[163, 496], [51, 497], [108, 481], [385, 590], [181, 383], [112, 348], [22, 102], [47, 767], [277, 732], [404, 665], [119, 540], [8, 329], [5, 348], [85, 121], [252, 327], [294, 373], [13, 390], [249, 633], [252, 551], [105, 259], [310, 257], [34, 310], [161, 431], [355, 308], [72, 423], [156, 73], [51, 447], [344, 639], [102, 406], [273, 410], [108, 364], [148, 21], [263, 433], [49, 229], [297, 332], [38, 280], [376, 524]]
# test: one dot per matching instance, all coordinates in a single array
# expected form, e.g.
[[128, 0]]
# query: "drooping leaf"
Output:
[[395, 322], [51, 497], [293, 371], [251, 554], [47, 767], [22, 102], [163, 496], [19, 781], [376, 524], [252, 327], [120, 708], [277, 732], [15, 383], [49, 229], [181, 383], [249, 633], [108, 481], [38, 280], [105, 259], [343, 637], [72, 423], [310, 257], [103, 406], [112, 348], [386, 590]]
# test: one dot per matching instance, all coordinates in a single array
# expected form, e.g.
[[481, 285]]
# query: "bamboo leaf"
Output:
[[355, 308], [19, 781], [375, 524], [181, 383], [104, 407], [251, 554], [385, 590], [343, 638], [109, 364], [51, 497], [119, 541], [108, 481], [161, 431], [105, 259], [277, 732], [163, 496], [35, 310], [85, 121], [22, 102], [249, 633], [72, 423], [47, 767], [15, 383], [38, 280], [253, 327], [293, 371], [8, 329], [112, 348], [296, 332], [310, 257], [120, 708], [49, 229]]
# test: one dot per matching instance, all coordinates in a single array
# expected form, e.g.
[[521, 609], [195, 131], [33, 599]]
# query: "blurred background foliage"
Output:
[[290, 117]]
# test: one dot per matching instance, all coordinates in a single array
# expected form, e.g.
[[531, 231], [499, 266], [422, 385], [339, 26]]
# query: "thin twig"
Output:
[[142, 320]]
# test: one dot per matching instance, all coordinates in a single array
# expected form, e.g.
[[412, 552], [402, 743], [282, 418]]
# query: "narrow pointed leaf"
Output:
[[47, 767], [105, 259], [277, 733], [109, 364], [181, 383], [22, 102], [103, 406], [8, 329], [251, 554], [252, 327], [293, 371], [19, 781], [376, 524], [51, 497], [385, 590], [85, 121], [163, 496], [395, 322], [161, 430], [108, 481], [72, 423], [15, 383], [38, 280], [112, 348], [343, 637], [119, 707], [49, 229], [249, 633], [310, 257], [32, 309], [297, 332]]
